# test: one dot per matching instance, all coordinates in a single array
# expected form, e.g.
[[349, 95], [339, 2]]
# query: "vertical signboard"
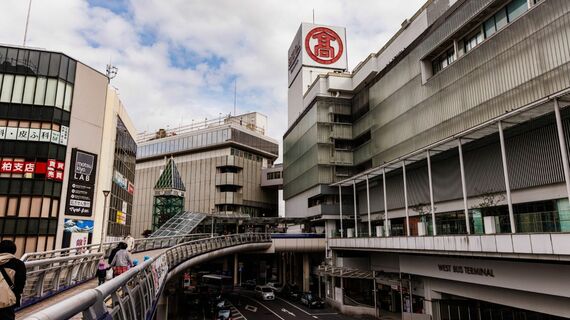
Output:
[[81, 183]]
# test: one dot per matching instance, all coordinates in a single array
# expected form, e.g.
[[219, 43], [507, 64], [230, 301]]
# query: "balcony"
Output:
[[342, 157], [229, 178], [228, 198], [553, 246]]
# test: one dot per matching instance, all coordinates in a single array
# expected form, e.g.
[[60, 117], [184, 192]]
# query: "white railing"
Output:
[[134, 294]]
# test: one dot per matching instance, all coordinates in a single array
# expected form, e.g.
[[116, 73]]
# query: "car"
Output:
[[264, 292], [276, 287], [294, 295], [249, 284], [311, 301]]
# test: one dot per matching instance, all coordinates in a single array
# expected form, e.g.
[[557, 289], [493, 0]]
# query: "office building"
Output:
[[447, 150], [220, 162], [55, 114]]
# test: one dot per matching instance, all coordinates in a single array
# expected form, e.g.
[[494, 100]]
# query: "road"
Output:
[[250, 307]]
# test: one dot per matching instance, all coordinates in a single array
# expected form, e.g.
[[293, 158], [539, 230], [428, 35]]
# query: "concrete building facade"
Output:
[[452, 136], [56, 114], [220, 163]]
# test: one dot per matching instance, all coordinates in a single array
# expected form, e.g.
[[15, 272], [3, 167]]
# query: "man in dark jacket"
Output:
[[15, 269]]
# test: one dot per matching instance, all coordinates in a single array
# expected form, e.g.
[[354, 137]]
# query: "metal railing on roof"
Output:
[[134, 294]]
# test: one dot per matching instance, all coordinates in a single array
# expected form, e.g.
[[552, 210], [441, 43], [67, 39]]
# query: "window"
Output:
[[29, 89], [443, 60], [7, 83], [472, 41], [516, 8]]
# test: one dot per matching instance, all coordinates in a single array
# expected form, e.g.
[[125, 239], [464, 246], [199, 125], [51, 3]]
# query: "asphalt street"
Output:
[[251, 307]]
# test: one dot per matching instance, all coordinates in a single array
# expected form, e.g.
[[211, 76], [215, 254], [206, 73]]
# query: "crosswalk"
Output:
[[236, 315]]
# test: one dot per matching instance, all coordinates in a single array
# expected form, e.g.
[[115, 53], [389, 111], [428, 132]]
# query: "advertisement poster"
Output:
[[77, 233], [159, 269], [81, 183]]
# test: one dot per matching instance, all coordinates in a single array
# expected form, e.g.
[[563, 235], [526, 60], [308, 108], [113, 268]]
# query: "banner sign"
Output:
[[81, 183], [31, 134], [52, 169], [159, 269]]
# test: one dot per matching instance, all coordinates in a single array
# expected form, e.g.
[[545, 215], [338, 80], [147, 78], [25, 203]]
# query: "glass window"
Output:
[[44, 63], [34, 60], [54, 65], [489, 27], [71, 71], [40, 91], [63, 67], [51, 92], [29, 89], [68, 96], [60, 94], [501, 18], [7, 85], [516, 8], [18, 89]]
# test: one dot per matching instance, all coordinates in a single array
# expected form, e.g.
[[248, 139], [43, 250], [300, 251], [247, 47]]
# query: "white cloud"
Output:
[[247, 40]]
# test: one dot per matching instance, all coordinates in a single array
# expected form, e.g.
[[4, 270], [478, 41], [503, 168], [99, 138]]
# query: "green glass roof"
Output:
[[170, 178]]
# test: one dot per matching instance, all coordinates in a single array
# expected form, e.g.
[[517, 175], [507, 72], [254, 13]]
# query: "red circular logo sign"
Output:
[[323, 45]]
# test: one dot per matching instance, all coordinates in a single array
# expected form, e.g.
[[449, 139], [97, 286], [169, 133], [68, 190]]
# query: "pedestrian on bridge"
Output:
[[130, 242], [12, 280], [122, 260]]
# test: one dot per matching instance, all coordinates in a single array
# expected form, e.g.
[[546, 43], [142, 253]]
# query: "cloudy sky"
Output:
[[178, 59]]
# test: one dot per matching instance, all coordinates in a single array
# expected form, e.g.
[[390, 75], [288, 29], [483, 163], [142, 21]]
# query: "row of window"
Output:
[[34, 113], [26, 206], [32, 62], [245, 155], [36, 187], [35, 91], [40, 151], [274, 175], [33, 131], [27, 226], [183, 143], [490, 26]]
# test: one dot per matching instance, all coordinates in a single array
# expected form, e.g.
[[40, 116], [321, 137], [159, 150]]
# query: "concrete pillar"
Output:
[[340, 210], [225, 266], [162, 308], [431, 204], [236, 270], [306, 272], [406, 199], [506, 176]]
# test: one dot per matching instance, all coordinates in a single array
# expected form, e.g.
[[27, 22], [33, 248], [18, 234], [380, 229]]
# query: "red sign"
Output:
[[323, 51], [18, 166], [48, 168], [131, 188], [6, 166], [29, 167]]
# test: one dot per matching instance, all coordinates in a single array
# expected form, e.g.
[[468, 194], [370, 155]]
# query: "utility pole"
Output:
[[27, 23]]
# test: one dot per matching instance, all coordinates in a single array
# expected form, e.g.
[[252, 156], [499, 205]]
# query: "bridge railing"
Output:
[[49, 273], [134, 294], [142, 244]]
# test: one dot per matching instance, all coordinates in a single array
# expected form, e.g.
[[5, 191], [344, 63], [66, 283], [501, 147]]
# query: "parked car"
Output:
[[276, 287], [249, 284], [311, 301], [264, 293]]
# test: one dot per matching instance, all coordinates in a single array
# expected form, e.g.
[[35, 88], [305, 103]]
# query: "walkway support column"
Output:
[[431, 204], [463, 186], [406, 199], [562, 143], [306, 271], [236, 264], [355, 217], [506, 175], [386, 228], [340, 201], [368, 206]]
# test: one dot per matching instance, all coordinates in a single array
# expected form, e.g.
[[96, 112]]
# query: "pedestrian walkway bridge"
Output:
[[60, 283]]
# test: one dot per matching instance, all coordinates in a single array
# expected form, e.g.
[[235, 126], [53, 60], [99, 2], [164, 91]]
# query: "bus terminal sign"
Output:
[[81, 183]]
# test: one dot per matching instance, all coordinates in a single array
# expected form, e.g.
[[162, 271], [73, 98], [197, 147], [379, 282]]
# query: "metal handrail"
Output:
[[134, 294], [49, 273], [141, 244]]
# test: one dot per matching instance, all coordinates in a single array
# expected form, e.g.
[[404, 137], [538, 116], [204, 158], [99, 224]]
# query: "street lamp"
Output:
[[106, 194]]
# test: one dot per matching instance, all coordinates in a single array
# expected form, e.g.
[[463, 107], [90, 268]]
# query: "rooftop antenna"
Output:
[[111, 70], [313, 15], [235, 95], [27, 23]]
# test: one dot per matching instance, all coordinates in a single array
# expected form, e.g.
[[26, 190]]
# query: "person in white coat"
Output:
[[130, 242]]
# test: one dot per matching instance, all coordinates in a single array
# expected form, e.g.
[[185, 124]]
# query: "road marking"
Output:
[[310, 314], [236, 314], [251, 308], [287, 311], [266, 307]]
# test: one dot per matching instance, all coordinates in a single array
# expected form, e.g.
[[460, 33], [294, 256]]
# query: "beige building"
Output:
[[220, 163]]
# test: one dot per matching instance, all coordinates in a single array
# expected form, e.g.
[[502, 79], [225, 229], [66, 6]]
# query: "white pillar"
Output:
[[355, 217], [340, 200], [406, 199], [386, 229], [368, 202], [562, 143], [463, 187], [506, 175], [432, 207]]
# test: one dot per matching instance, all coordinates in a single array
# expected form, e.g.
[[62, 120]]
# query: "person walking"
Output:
[[12, 280], [102, 271], [122, 260]]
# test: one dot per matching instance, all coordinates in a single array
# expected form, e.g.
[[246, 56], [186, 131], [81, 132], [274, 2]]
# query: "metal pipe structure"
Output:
[[368, 206], [386, 229], [562, 144], [431, 203], [355, 215], [463, 186], [406, 199], [506, 175], [340, 200]]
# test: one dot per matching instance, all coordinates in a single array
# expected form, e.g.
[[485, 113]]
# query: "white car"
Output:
[[264, 292]]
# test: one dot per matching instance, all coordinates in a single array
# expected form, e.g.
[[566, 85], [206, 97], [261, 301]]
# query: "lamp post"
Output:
[[106, 194]]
